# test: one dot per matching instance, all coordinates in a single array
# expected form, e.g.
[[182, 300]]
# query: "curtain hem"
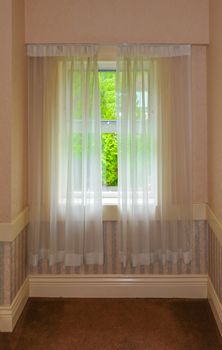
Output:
[[68, 259], [150, 258]]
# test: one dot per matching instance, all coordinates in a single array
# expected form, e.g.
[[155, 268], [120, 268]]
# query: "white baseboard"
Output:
[[9, 314], [215, 304], [109, 286], [103, 286]]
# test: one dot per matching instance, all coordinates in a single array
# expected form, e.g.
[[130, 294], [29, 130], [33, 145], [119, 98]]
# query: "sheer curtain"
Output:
[[154, 171], [65, 193]]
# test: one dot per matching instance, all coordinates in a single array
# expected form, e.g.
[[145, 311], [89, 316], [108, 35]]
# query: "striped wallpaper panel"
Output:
[[112, 263], [14, 269], [215, 263]]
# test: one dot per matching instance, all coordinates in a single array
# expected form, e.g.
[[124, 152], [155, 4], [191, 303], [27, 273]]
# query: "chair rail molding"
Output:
[[10, 230], [214, 223]]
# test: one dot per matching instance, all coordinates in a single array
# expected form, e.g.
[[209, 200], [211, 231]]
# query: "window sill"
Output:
[[110, 211]]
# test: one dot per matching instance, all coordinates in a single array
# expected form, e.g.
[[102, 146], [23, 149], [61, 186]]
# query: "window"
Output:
[[109, 143], [107, 84], [109, 148]]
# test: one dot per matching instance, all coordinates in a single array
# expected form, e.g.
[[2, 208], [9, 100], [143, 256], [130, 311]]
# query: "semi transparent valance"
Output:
[[138, 50], [63, 50]]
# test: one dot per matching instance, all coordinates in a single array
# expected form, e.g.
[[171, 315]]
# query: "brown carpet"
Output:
[[111, 324]]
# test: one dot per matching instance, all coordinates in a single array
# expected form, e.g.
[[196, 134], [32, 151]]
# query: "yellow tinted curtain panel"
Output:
[[65, 187], [154, 129]]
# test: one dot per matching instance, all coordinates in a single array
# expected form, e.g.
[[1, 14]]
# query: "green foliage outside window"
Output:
[[109, 160], [107, 85], [107, 82]]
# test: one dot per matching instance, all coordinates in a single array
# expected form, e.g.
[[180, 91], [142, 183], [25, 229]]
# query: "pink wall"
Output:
[[5, 109], [116, 21], [215, 109], [12, 109], [199, 114], [19, 111]]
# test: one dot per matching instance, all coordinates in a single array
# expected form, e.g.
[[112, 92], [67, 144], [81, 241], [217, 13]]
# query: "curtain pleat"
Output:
[[154, 135], [65, 187]]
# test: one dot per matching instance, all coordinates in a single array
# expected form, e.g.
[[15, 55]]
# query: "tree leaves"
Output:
[[109, 159], [107, 82]]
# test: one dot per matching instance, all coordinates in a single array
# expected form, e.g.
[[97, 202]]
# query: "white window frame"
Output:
[[109, 196]]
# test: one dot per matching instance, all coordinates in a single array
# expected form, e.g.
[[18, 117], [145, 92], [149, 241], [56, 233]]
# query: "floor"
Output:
[[111, 324]]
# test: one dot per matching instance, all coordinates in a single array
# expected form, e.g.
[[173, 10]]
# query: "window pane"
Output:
[[107, 82], [109, 160]]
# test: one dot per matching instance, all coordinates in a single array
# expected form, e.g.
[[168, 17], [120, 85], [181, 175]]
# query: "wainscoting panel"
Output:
[[13, 267], [112, 264], [215, 267]]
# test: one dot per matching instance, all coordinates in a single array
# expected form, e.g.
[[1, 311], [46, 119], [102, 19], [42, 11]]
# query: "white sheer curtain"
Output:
[[65, 187], [154, 171]]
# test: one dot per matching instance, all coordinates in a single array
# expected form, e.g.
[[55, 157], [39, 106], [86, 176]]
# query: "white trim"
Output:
[[199, 211], [111, 212], [10, 314], [107, 64], [215, 224], [10, 230], [120, 286], [215, 304]]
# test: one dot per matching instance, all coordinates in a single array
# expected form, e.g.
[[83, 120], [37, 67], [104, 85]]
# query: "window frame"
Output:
[[110, 197]]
